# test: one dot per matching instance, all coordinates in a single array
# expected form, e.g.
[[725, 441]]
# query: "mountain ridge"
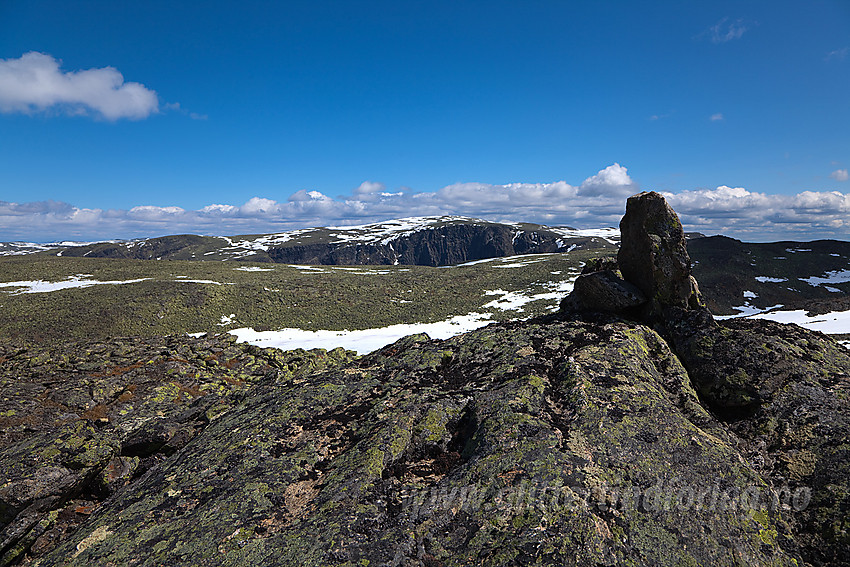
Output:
[[409, 241]]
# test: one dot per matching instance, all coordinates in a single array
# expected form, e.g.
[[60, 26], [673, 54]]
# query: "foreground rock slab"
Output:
[[82, 421], [548, 442]]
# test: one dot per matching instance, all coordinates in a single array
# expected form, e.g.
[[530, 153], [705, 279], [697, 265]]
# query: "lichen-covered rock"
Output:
[[81, 421], [653, 255], [535, 443], [784, 393]]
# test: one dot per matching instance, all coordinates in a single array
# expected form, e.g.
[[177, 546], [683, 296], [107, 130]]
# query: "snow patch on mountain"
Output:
[[41, 286], [610, 234], [835, 322], [363, 340], [834, 277]]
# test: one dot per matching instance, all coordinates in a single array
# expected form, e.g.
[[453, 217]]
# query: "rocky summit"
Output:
[[630, 428]]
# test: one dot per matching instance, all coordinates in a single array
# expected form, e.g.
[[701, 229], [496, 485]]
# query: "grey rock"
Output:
[[603, 291], [653, 255]]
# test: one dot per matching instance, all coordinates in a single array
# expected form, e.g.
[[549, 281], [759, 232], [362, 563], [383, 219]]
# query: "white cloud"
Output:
[[840, 175], [612, 181], [175, 106], [598, 201], [838, 54], [258, 206], [220, 209], [35, 83], [726, 30], [158, 214], [760, 216], [716, 117]]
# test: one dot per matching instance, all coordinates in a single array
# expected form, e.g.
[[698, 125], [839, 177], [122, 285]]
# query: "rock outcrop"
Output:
[[652, 271], [80, 422], [601, 287], [546, 442], [653, 254]]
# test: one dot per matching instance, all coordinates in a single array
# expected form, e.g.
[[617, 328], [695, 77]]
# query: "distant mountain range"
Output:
[[736, 277], [424, 241]]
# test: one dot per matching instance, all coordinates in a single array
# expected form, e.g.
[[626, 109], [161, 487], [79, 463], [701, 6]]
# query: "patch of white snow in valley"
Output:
[[202, 281], [834, 277], [767, 279], [747, 310], [511, 265], [363, 341], [750, 294], [474, 262], [515, 300], [227, 319], [518, 261], [253, 269], [831, 323], [836, 322], [40, 286], [510, 300], [522, 261]]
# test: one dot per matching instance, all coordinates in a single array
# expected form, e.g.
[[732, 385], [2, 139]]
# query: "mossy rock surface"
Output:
[[549, 442], [81, 421]]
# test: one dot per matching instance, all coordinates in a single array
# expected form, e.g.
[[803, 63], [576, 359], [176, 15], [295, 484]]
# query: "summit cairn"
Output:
[[653, 255], [651, 276]]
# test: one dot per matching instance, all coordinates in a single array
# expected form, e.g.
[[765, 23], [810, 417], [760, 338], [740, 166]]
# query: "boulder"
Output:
[[653, 255], [604, 291]]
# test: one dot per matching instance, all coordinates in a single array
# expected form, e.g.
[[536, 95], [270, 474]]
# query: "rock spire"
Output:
[[652, 272]]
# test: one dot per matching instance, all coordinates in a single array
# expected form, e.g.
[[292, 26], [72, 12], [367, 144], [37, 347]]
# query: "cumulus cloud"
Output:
[[613, 181], [840, 175], [735, 211], [726, 30], [35, 83], [597, 201]]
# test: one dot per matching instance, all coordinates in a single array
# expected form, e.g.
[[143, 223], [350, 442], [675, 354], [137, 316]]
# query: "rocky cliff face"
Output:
[[441, 246], [431, 241], [591, 437]]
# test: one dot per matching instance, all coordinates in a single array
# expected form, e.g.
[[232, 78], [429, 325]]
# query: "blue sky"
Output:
[[122, 119]]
